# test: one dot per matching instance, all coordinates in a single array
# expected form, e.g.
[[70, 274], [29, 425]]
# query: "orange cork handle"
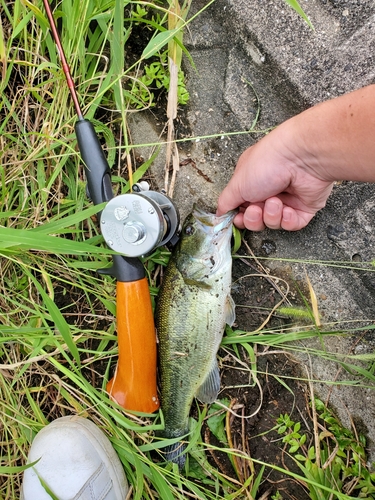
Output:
[[134, 384]]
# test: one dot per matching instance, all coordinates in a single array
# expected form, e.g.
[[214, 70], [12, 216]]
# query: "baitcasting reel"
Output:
[[136, 223]]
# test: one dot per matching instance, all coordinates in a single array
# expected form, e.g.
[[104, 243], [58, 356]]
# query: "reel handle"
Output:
[[134, 384]]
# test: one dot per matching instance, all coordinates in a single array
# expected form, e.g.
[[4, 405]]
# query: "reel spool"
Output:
[[134, 224]]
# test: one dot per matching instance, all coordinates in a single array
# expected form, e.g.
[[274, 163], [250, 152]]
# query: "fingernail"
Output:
[[253, 216], [272, 208]]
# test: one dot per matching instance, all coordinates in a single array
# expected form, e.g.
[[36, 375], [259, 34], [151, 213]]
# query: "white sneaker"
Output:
[[77, 462]]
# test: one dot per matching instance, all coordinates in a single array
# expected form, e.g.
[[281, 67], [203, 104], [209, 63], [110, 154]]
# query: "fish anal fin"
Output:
[[209, 390]]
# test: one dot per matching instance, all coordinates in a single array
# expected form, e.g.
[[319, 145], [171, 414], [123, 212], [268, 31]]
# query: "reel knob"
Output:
[[134, 232], [134, 224]]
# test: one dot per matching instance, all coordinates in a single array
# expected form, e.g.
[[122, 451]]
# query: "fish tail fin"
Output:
[[175, 453]]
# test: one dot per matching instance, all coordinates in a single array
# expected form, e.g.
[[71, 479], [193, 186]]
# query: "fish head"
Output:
[[204, 243]]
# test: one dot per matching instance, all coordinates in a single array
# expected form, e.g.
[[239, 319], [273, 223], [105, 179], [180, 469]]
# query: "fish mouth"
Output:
[[210, 246], [213, 222]]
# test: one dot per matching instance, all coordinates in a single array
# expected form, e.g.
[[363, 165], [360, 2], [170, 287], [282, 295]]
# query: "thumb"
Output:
[[228, 200]]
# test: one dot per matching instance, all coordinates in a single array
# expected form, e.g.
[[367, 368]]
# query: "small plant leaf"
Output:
[[216, 422]]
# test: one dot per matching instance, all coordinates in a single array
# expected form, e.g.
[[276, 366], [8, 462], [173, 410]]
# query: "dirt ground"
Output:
[[254, 435], [255, 296]]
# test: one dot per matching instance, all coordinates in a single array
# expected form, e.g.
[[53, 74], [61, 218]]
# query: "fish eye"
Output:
[[189, 230]]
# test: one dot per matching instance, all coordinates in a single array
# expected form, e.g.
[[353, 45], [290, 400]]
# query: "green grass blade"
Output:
[[58, 319], [158, 42], [61, 225], [14, 470], [296, 6], [28, 239]]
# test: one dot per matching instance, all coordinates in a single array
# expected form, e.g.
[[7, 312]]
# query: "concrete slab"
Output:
[[259, 53]]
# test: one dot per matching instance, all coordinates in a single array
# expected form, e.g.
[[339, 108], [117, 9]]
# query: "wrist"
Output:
[[304, 147]]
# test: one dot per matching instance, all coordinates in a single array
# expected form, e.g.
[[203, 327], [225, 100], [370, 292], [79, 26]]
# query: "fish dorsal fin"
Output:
[[209, 390], [230, 313]]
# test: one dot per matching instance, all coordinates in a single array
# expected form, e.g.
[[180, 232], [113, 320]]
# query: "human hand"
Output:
[[284, 179], [273, 186]]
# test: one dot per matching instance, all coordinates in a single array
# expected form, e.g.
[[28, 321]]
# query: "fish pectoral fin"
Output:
[[209, 390], [230, 313]]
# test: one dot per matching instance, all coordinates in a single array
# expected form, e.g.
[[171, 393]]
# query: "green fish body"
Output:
[[193, 307]]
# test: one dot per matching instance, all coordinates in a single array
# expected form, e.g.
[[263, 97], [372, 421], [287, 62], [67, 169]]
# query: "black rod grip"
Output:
[[98, 173], [98, 176]]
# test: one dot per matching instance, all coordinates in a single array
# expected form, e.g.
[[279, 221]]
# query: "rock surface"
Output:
[[258, 57]]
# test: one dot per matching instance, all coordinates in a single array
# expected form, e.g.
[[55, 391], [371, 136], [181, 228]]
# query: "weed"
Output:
[[296, 6], [156, 75], [277, 496], [336, 459]]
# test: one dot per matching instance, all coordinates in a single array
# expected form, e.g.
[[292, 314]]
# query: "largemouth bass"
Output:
[[193, 307]]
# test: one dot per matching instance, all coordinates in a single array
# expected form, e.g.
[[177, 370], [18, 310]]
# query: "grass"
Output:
[[57, 320]]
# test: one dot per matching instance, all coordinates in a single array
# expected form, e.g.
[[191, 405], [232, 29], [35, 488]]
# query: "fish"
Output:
[[194, 305]]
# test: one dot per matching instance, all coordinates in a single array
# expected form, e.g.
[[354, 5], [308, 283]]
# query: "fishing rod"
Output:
[[132, 224]]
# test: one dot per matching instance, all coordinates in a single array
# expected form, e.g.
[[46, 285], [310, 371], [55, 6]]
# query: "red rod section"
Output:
[[65, 66]]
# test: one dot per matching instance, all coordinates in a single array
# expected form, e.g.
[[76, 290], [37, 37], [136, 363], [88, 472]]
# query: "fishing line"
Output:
[[219, 403]]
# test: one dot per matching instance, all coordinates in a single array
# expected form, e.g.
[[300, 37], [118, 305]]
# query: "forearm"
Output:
[[284, 179], [336, 139]]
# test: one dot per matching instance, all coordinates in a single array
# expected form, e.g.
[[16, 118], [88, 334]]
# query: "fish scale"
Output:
[[193, 306]]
